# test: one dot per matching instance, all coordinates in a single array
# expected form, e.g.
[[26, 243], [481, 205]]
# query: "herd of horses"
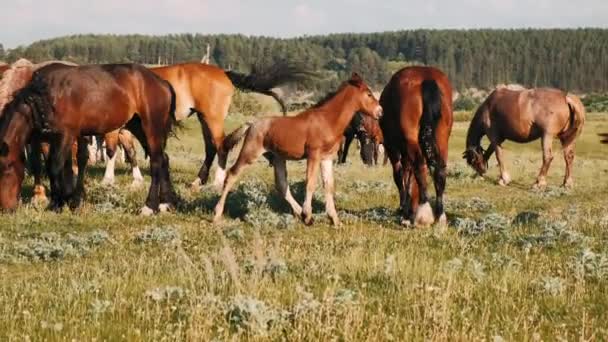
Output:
[[52, 109]]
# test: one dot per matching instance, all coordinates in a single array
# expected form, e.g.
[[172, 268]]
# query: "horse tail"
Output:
[[173, 122], [263, 79], [232, 139], [577, 119], [431, 113]]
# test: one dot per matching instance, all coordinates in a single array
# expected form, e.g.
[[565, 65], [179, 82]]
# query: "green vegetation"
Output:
[[572, 59], [514, 264]]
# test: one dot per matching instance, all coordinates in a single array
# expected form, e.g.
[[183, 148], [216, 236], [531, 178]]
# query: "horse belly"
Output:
[[184, 103]]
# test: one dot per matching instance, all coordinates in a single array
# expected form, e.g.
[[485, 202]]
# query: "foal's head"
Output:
[[15, 128], [474, 157], [368, 104]]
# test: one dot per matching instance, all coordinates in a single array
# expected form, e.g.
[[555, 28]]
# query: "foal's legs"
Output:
[[312, 169], [128, 144], [36, 165], [252, 150], [280, 179], [328, 185], [111, 140], [546, 142], [569, 159], [82, 159]]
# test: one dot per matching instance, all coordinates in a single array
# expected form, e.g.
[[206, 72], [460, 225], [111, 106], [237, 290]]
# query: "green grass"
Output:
[[105, 273]]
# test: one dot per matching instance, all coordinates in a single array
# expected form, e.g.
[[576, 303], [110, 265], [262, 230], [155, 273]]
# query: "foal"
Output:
[[313, 135]]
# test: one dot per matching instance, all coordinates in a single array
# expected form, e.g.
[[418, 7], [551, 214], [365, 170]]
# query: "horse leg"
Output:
[[60, 170], [111, 140], [341, 149], [396, 163], [569, 159], [252, 149], [440, 171], [36, 165], [312, 168], [280, 180], [328, 185], [424, 212], [82, 158], [210, 152], [125, 139], [505, 178], [348, 140], [546, 142], [168, 197]]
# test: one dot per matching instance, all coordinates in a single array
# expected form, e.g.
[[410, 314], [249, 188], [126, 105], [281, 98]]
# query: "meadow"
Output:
[[513, 264]]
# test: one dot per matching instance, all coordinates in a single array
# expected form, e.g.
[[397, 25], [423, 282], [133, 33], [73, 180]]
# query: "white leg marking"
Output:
[[145, 211], [108, 177], [424, 215]]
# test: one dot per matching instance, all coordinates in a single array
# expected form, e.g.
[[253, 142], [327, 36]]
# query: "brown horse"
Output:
[[114, 140], [207, 91], [523, 116], [64, 103], [313, 135], [416, 126]]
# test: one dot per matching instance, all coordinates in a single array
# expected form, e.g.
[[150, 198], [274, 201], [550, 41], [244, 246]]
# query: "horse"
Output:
[[524, 116], [313, 135], [114, 140], [416, 126], [63, 103], [368, 132], [206, 90]]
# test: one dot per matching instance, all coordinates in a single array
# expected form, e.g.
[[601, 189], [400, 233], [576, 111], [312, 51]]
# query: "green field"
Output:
[[514, 264]]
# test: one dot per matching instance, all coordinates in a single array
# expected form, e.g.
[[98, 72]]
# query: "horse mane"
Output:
[[18, 76]]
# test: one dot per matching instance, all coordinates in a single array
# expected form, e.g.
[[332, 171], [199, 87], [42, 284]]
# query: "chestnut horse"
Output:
[[524, 116], [313, 135], [64, 103], [416, 125], [207, 91]]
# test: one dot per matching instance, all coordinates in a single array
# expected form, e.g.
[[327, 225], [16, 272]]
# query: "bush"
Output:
[[465, 103]]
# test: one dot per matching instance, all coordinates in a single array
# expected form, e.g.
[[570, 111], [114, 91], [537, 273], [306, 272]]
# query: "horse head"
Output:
[[474, 157]]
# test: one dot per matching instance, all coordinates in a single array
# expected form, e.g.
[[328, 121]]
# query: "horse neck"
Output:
[[476, 131], [340, 110]]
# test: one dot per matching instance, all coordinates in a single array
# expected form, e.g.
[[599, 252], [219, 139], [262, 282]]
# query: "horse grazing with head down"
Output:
[[524, 116], [416, 125], [368, 132], [63, 103], [313, 135]]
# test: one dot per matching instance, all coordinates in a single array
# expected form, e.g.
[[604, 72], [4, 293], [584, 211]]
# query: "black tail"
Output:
[[431, 113], [173, 123], [264, 79]]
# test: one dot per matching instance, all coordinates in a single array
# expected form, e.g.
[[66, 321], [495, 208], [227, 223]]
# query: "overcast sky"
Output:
[[25, 21]]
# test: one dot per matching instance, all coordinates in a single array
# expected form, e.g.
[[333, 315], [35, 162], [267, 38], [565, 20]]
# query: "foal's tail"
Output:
[[431, 113], [577, 119], [263, 79], [232, 139]]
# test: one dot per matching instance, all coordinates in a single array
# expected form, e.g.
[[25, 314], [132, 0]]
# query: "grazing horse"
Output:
[[113, 140], [416, 125], [523, 116], [207, 91], [313, 135], [368, 132], [64, 103]]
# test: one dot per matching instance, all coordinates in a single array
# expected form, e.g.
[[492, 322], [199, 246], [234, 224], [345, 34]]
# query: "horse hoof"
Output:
[[308, 220], [442, 221], [107, 181], [146, 211], [539, 186], [502, 182], [424, 215], [196, 185], [406, 223], [336, 222], [569, 184], [164, 207]]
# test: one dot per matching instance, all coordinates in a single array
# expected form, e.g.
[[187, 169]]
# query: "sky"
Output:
[[25, 21]]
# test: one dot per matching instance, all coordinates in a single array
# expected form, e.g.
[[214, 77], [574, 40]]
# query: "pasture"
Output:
[[514, 264]]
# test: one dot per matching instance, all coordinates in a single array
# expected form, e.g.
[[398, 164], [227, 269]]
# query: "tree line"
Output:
[[572, 59]]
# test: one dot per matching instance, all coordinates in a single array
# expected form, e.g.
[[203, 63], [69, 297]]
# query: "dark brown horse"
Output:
[[313, 135], [368, 132], [63, 103], [524, 116], [207, 91], [416, 125]]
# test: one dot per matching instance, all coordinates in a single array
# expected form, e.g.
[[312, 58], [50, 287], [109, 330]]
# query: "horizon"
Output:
[[31, 22]]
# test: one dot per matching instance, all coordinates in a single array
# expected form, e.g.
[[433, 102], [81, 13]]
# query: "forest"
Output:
[[570, 59]]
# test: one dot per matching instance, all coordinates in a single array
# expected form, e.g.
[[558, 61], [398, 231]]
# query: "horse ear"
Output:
[[3, 149], [355, 79]]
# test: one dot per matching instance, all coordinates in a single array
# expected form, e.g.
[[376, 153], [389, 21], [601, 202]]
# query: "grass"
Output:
[[514, 264]]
